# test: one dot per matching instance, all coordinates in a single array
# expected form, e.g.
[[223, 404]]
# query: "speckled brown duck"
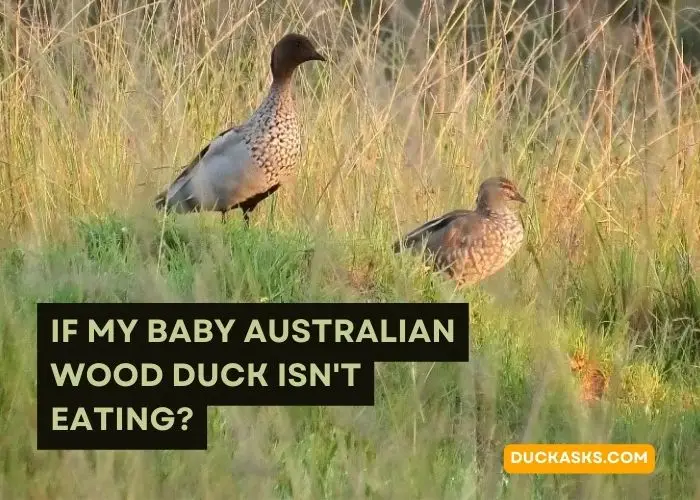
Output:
[[594, 382], [471, 245], [249, 162]]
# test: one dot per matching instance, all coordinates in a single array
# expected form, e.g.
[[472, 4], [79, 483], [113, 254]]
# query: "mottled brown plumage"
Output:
[[593, 381], [473, 245], [247, 163]]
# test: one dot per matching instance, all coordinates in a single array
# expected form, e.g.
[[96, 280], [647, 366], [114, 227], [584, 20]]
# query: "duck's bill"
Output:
[[317, 57]]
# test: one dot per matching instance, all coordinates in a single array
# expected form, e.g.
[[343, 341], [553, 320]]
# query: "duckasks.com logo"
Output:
[[579, 459]]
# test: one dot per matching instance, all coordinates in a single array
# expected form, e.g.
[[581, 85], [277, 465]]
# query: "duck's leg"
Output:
[[223, 216], [247, 207], [251, 203]]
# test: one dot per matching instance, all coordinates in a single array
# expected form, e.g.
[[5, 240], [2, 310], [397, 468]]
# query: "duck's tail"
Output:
[[159, 201]]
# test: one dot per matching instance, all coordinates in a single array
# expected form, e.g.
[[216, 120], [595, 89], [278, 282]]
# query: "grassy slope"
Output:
[[611, 264]]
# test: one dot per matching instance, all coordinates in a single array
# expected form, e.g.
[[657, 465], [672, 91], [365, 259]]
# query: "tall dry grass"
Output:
[[101, 107]]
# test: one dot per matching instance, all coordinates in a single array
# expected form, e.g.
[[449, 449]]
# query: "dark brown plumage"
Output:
[[472, 245], [247, 163]]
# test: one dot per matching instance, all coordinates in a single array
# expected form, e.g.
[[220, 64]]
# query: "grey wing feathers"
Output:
[[180, 193], [425, 231], [162, 196]]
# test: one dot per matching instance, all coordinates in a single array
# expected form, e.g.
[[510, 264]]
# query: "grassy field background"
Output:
[[98, 114]]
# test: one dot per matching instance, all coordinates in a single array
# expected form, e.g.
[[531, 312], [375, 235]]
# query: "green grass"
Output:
[[96, 118]]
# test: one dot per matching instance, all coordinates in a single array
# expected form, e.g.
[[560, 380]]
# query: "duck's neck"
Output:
[[279, 98], [281, 85], [495, 211]]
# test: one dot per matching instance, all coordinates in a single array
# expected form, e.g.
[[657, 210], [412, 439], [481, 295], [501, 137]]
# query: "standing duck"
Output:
[[249, 162]]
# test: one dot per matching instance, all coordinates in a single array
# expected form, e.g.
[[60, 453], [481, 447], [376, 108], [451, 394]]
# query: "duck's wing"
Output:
[[206, 183], [464, 237], [431, 232]]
